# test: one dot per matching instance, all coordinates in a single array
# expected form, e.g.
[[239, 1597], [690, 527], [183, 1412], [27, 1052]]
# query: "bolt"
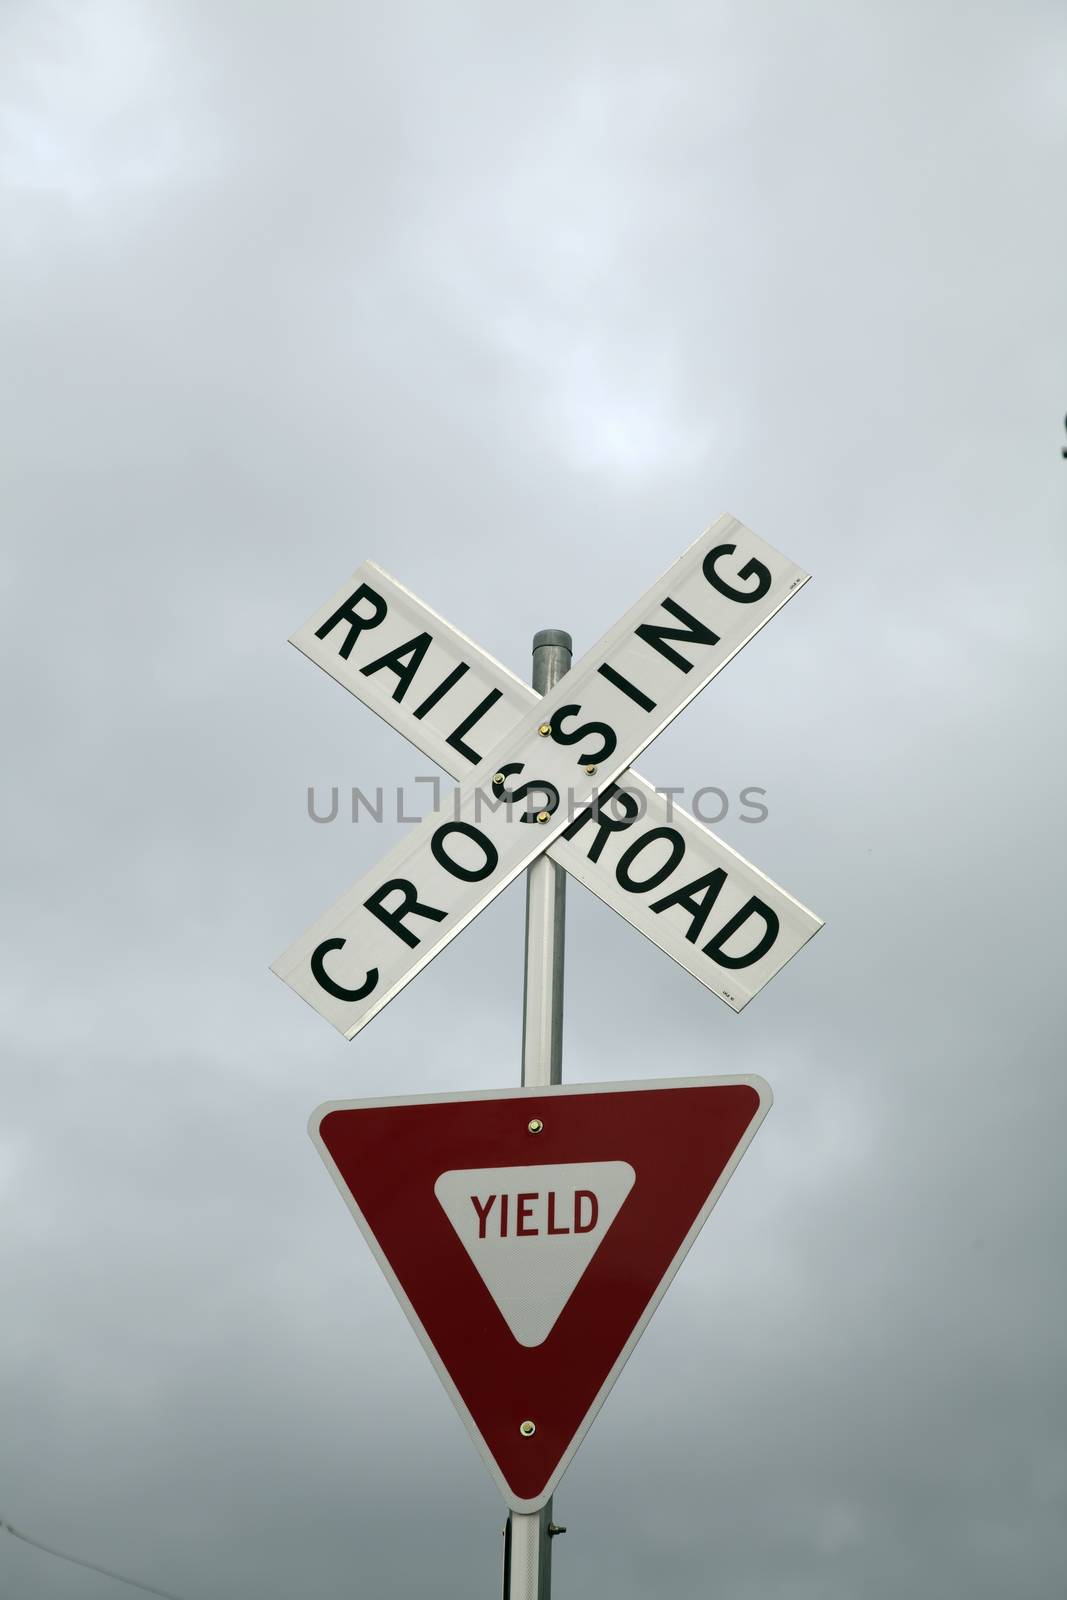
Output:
[[527, 1429], [499, 778], [545, 729], [591, 768], [554, 1528], [534, 1125], [542, 816]]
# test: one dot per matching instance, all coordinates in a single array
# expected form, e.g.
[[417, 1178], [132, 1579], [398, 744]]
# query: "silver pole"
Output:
[[528, 1538], [546, 902]]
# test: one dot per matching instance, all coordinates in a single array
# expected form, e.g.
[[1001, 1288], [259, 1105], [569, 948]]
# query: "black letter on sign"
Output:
[[409, 907], [632, 692], [694, 632], [405, 670], [753, 907], [751, 569], [549, 790], [605, 824], [631, 853], [455, 738], [356, 623], [324, 981], [587, 756], [441, 690], [468, 874], [711, 883]]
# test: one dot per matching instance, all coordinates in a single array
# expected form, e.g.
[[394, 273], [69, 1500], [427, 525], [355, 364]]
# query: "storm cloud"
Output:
[[514, 301]]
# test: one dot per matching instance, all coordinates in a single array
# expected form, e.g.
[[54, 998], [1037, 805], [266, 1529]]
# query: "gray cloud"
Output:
[[515, 303]]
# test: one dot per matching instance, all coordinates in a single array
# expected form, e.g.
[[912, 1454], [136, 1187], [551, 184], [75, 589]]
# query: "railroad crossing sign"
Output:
[[544, 774], [530, 1235]]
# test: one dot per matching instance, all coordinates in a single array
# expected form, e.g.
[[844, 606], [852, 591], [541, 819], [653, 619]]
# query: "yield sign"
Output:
[[530, 1234]]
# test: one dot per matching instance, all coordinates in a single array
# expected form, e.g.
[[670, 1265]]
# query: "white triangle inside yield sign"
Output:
[[532, 1231]]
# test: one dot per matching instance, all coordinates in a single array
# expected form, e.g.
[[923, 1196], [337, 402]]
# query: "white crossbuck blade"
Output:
[[406, 663], [715, 913]]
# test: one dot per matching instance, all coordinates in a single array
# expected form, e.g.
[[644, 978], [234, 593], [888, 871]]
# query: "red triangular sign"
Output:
[[529, 1234]]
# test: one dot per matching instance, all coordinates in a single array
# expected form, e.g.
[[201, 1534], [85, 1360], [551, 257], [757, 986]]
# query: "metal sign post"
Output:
[[546, 904], [527, 1539]]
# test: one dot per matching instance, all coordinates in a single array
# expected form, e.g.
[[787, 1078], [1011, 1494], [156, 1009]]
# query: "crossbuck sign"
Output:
[[550, 774]]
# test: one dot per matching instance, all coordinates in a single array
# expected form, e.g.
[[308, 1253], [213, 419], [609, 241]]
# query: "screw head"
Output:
[[545, 729], [498, 777], [542, 816], [591, 768], [527, 1429], [535, 1125]]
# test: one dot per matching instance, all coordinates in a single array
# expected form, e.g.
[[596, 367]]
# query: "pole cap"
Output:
[[553, 636]]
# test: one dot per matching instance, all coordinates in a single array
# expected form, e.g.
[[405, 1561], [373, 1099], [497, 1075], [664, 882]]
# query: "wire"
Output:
[[78, 1562]]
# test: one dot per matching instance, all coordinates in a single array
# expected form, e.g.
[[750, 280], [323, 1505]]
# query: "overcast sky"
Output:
[[515, 300]]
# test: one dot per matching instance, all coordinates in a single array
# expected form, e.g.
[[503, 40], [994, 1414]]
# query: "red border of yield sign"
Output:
[[683, 1140]]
